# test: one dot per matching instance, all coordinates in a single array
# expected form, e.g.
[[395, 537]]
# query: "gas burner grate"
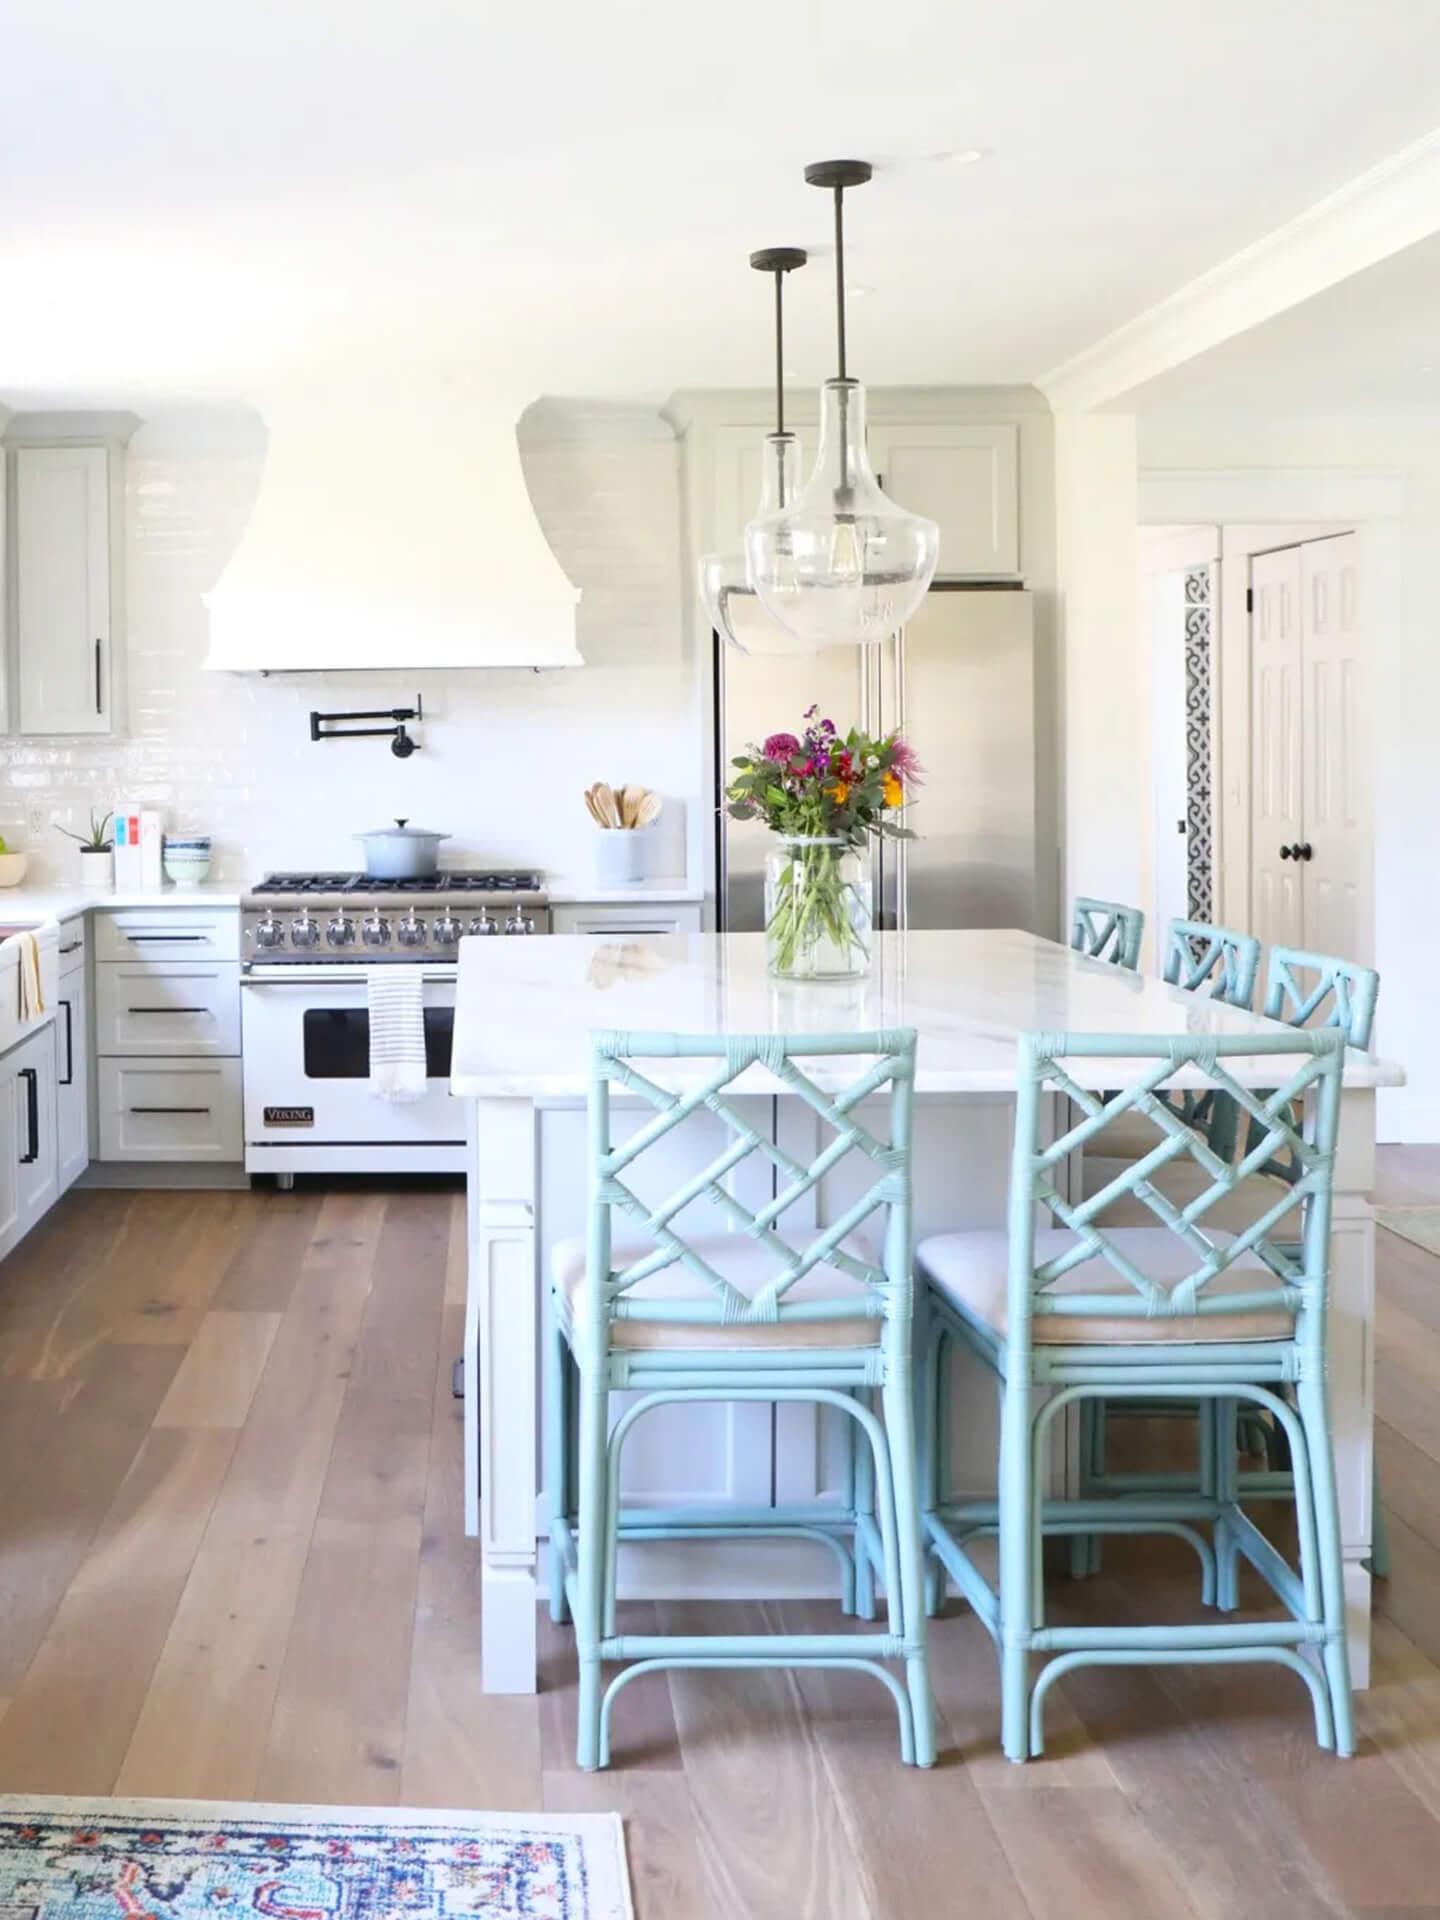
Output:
[[435, 884]]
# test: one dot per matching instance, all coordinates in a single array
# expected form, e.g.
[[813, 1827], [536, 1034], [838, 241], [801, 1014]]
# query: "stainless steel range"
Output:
[[309, 942]]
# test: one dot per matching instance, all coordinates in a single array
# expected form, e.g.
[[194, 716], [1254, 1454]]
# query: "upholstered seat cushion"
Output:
[[970, 1269], [748, 1268]]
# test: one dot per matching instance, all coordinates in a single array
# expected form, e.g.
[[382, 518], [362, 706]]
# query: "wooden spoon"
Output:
[[648, 812], [631, 802]]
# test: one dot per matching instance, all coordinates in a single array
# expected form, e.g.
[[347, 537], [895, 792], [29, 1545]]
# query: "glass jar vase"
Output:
[[818, 918]]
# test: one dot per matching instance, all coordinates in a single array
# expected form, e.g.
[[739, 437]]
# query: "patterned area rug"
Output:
[[1421, 1225], [180, 1860]]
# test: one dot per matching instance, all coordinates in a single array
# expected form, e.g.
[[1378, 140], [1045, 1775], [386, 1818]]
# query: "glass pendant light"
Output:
[[842, 564], [725, 584]]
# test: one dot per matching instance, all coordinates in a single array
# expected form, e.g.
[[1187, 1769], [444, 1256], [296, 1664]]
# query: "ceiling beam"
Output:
[[1380, 212]]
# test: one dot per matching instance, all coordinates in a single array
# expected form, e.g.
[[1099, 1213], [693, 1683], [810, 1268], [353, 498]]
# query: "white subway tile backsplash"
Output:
[[505, 754]]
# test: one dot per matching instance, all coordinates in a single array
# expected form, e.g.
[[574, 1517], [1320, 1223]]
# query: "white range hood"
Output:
[[392, 528]]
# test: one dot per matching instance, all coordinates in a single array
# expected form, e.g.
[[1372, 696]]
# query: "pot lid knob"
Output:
[[401, 824]]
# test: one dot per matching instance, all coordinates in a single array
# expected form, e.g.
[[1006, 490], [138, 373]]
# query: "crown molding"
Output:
[[1390, 207]]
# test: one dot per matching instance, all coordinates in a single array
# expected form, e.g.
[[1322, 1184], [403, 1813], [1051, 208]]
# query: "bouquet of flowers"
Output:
[[824, 794]]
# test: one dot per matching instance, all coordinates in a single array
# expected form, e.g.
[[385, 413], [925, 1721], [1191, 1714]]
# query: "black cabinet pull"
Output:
[[32, 1115], [172, 939], [68, 1077], [168, 1010], [169, 1109], [72, 946], [99, 703]]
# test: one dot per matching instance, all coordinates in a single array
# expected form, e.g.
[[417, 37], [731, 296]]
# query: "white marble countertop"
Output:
[[524, 1009], [68, 903]]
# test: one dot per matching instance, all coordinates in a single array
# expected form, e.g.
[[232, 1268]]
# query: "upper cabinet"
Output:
[[963, 475], [62, 590]]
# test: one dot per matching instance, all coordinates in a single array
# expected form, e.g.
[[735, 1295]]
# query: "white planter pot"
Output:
[[97, 868]]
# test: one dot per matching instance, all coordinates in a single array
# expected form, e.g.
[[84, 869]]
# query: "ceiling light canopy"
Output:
[[841, 564]]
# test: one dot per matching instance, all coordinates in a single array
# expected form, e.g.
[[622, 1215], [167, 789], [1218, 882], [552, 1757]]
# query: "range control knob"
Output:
[[340, 932], [269, 932], [482, 923], [520, 922], [411, 930], [304, 930], [445, 929], [375, 931]]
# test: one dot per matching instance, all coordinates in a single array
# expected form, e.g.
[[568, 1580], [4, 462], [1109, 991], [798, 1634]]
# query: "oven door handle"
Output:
[[318, 977]]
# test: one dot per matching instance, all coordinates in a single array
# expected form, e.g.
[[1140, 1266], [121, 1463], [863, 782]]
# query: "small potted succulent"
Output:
[[97, 856]]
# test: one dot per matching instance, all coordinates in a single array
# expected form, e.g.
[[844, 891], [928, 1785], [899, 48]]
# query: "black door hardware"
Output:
[[32, 1115], [322, 727], [1302, 850]]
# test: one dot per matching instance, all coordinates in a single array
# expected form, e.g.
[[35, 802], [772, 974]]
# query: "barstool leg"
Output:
[[590, 1562], [1313, 1405], [900, 1432]]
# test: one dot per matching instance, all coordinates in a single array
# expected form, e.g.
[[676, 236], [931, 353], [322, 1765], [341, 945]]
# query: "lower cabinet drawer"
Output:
[[170, 1109], [178, 1009]]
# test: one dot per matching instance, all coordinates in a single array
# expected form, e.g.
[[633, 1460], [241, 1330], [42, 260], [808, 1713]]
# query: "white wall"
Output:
[[1397, 582], [1097, 549], [506, 754]]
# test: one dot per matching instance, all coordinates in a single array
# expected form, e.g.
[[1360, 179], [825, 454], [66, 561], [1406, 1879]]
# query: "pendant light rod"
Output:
[[779, 261], [834, 176]]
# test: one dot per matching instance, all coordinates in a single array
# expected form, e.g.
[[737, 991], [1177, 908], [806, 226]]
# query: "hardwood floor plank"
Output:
[[275, 1483], [1400, 1711], [220, 1371], [1408, 1276], [854, 1723], [770, 1832], [337, 1733], [202, 1729], [72, 1716], [263, 1270], [77, 1439]]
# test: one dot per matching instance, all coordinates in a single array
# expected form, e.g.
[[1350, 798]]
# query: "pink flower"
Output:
[[781, 747], [906, 763]]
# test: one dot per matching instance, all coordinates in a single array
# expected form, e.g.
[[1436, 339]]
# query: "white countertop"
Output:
[[68, 903], [524, 1009]]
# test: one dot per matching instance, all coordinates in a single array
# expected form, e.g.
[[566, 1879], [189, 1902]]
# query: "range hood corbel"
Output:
[[391, 531]]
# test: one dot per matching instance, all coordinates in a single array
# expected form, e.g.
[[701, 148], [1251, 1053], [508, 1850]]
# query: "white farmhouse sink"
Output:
[[47, 933]]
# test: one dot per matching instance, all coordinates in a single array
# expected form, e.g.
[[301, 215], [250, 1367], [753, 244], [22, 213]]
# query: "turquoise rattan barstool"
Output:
[[1106, 930], [1199, 955], [643, 1303], [1075, 1311]]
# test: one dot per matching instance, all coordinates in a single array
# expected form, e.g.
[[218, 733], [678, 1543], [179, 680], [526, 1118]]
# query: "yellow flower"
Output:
[[894, 793], [839, 792]]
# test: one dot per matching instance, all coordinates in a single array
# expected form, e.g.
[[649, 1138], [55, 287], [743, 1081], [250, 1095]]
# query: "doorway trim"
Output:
[[1257, 510]]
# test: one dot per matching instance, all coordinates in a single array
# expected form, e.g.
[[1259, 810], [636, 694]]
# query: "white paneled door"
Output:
[[1311, 855], [1337, 846], [1276, 784]]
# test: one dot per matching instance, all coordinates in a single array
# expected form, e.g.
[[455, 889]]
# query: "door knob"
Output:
[[1302, 851], [1286, 852]]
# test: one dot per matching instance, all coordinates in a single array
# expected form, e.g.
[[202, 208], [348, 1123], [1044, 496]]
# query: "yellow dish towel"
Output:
[[32, 994]]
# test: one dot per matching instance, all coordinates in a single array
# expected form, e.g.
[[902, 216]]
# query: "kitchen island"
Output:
[[524, 1011]]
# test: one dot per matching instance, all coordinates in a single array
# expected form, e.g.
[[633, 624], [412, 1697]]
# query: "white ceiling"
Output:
[[1367, 346], [193, 196]]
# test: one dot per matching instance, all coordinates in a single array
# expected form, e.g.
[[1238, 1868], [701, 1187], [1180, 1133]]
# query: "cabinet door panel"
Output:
[[72, 1077], [12, 1145], [965, 477], [170, 1110], [62, 546], [167, 1009]]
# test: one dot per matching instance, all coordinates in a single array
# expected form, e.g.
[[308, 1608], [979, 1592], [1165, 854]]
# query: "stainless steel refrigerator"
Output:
[[960, 683]]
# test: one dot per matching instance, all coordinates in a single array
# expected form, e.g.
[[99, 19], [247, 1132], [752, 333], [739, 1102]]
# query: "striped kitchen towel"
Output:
[[32, 993], [397, 1033]]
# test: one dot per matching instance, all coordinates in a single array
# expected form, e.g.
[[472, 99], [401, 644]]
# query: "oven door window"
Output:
[[337, 1042]]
